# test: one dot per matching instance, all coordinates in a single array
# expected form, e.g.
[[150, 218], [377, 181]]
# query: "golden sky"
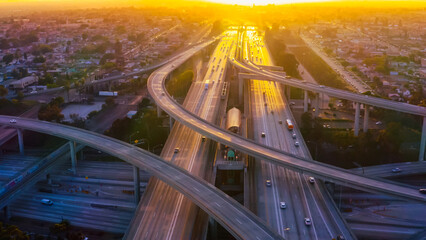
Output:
[[125, 3]]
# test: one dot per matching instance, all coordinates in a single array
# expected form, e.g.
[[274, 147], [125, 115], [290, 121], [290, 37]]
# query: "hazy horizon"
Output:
[[22, 7]]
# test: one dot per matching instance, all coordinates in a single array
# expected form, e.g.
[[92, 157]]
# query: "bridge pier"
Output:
[[288, 93], [356, 122], [317, 110], [20, 141], [158, 111], [136, 181], [48, 179], [213, 228], [423, 141], [6, 213], [305, 101], [73, 156], [171, 120], [366, 113], [240, 89]]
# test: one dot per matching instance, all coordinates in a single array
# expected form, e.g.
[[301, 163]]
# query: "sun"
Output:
[[261, 2]]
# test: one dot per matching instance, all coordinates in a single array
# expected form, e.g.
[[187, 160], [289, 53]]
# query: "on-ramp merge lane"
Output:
[[228, 212], [158, 91]]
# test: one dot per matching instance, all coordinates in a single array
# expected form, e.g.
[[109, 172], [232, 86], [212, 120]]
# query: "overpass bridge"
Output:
[[157, 89], [255, 72], [239, 221]]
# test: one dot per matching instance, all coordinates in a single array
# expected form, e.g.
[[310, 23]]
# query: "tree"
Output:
[[20, 96], [52, 111], [8, 58], [109, 101], [3, 91]]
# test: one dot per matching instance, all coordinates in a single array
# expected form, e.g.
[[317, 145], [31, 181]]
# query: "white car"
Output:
[[308, 222], [311, 180], [378, 123], [12, 120], [396, 170], [294, 137], [283, 205], [296, 144], [176, 150]]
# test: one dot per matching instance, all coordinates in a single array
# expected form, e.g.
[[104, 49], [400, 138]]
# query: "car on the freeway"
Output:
[[340, 237], [378, 123], [280, 121], [422, 190], [283, 205], [12, 120], [396, 170], [308, 222], [46, 202], [263, 134], [268, 183], [312, 180], [176, 150], [294, 136], [296, 144]]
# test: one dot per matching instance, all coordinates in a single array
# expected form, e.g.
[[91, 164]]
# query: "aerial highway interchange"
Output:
[[182, 164]]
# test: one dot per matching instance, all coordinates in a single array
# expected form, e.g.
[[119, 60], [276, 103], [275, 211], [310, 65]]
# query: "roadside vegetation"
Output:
[[398, 142], [178, 86], [144, 126]]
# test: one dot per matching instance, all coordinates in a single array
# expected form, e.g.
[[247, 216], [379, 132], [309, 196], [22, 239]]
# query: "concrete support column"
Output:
[[317, 108], [171, 122], [109, 86], [48, 179], [213, 228], [240, 89], [136, 181], [73, 156], [288, 92], [356, 124], [305, 101], [366, 112], [423, 141], [20, 141], [159, 111], [6, 212]]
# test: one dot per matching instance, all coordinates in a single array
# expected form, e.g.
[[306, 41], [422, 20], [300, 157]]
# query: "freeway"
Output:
[[226, 211], [157, 89], [164, 213], [332, 92], [302, 198], [391, 169], [33, 174]]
